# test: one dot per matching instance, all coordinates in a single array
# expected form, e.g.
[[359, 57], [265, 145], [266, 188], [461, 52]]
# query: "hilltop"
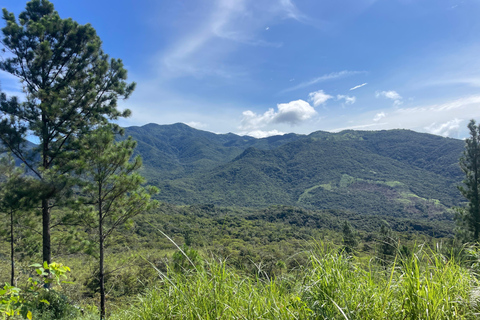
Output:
[[398, 173]]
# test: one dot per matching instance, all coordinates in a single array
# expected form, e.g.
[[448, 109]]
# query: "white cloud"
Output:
[[325, 77], [446, 129], [441, 119], [348, 99], [196, 124], [359, 86], [319, 97], [251, 120], [379, 116], [293, 113], [388, 94], [393, 95], [371, 126], [263, 134]]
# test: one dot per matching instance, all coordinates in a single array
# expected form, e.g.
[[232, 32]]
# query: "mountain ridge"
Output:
[[397, 172], [401, 171]]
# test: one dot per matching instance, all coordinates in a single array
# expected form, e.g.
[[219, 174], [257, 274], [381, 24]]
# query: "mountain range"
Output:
[[398, 173]]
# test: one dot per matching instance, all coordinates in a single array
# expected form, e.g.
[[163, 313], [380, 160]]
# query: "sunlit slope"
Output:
[[395, 172]]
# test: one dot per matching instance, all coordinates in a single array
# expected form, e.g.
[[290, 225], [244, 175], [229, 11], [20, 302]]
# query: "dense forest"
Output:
[[170, 222], [396, 172]]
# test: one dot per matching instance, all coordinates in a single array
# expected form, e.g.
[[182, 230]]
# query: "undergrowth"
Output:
[[425, 284]]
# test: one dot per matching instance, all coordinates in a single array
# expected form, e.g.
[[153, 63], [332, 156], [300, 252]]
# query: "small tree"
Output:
[[468, 219], [70, 86], [112, 192], [14, 196], [387, 245], [349, 237]]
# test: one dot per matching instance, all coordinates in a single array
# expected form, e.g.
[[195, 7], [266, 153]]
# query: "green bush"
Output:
[[58, 306], [186, 259]]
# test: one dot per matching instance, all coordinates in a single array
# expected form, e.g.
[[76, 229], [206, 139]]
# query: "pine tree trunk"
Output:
[[47, 253], [102, 273], [11, 249]]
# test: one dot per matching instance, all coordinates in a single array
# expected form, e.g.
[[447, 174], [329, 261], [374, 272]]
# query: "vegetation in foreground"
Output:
[[265, 268], [422, 285]]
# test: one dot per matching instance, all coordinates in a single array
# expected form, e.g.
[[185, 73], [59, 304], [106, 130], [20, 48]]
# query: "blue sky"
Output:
[[264, 67]]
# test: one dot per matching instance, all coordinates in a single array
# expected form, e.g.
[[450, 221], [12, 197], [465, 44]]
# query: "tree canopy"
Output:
[[70, 87], [468, 220]]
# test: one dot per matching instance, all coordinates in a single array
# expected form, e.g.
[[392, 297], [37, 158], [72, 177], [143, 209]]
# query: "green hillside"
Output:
[[393, 173], [174, 151]]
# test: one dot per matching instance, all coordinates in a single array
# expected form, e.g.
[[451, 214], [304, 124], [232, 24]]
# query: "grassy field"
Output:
[[426, 284]]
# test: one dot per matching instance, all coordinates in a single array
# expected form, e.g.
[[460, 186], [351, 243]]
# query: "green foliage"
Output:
[[112, 191], [216, 292], [349, 237], [71, 86], [468, 220], [387, 246], [59, 306], [186, 259], [14, 301], [426, 285]]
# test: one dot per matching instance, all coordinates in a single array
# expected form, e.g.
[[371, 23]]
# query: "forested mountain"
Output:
[[394, 173], [177, 150]]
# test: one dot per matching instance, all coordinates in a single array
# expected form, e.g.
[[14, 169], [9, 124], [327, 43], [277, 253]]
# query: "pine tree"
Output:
[[387, 245], [70, 86], [349, 237], [112, 192], [468, 219]]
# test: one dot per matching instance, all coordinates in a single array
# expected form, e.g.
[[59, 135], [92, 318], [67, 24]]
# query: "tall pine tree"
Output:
[[71, 86], [468, 219]]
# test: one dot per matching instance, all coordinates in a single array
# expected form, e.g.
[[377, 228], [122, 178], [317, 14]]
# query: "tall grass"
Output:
[[424, 285], [215, 292]]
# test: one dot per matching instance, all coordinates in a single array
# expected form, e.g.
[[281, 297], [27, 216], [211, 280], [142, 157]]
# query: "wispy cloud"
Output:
[[379, 116], [440, 119], [359, 86], [196, 124], [348, 99], [388, 94], [325, 77], [446, 129], [392, 95], [292, 11], [202, 50], [319, 97], [371, 126]]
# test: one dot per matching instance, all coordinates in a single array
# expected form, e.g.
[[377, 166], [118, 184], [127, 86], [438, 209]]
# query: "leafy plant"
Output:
[[14, 301]]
